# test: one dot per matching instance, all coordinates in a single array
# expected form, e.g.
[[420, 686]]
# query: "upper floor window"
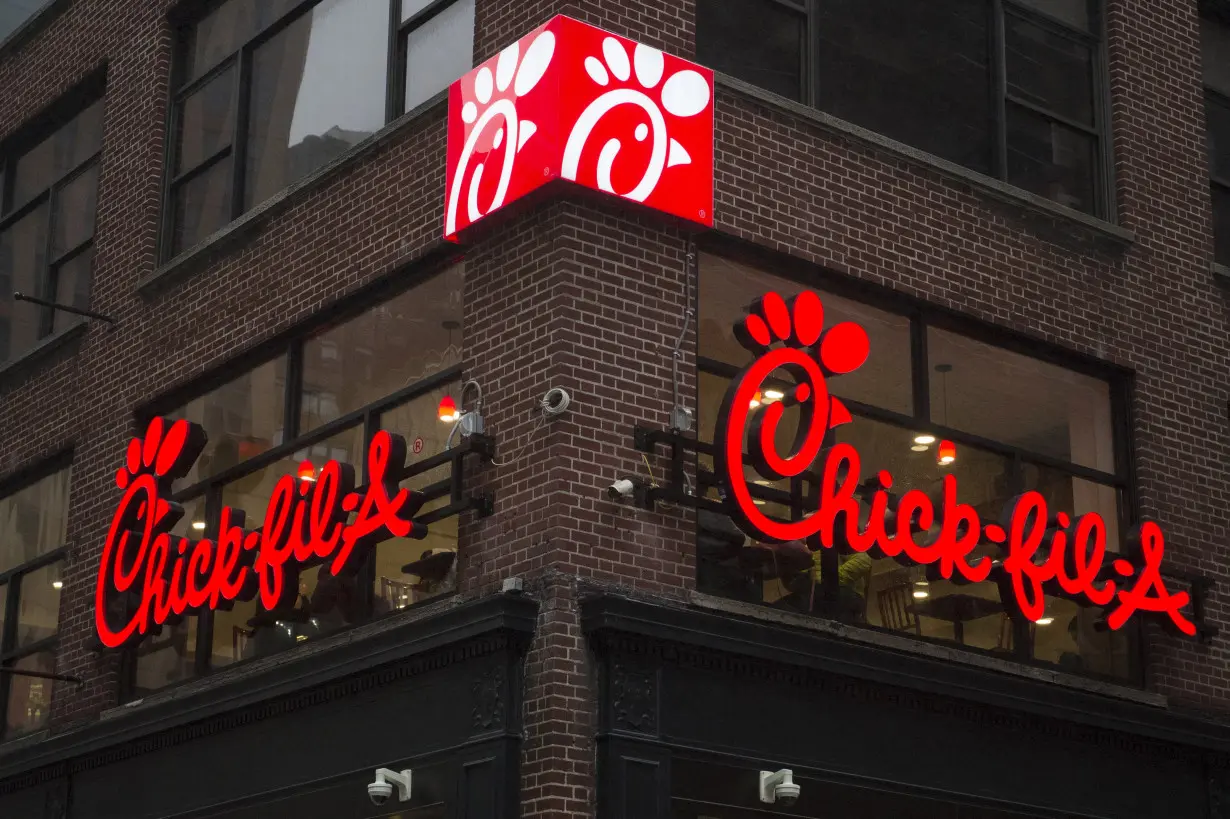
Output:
[[33, 518], [271, 90], [930, 401], [1215, 53], [1010, 89], [15, 13], [320, 398], [48, 199]]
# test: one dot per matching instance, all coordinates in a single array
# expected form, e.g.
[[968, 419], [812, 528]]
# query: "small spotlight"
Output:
[[448, 410], [755, 402], [919, 448], [919, 594], [924, 440], [1045, 621], [57, 584], [774, 395], [199, 525]]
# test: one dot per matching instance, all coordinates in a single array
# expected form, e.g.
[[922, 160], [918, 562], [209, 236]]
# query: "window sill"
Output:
[[40, 351], [226, 239], [1073, 224], [1221, 273], [907, 645], [15, 744]]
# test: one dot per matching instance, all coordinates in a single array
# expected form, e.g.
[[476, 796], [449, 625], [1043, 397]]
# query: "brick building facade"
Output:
[[590, 294]]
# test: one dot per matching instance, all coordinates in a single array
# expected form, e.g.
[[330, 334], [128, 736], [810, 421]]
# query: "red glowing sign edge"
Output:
[[790, 336], [305, 525]]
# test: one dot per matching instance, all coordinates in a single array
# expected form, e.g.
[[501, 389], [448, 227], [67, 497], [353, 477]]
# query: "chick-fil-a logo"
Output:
[[571, 101], [158, 577], [1072, 559]]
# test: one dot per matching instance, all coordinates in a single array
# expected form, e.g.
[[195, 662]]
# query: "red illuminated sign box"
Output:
[[1042, 554], [573, 102]]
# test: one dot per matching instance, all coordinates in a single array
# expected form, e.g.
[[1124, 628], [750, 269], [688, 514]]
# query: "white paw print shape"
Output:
[[495, 96], [684, 94]]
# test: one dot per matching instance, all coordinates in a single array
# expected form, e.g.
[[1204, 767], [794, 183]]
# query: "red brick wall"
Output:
[[589, 296]]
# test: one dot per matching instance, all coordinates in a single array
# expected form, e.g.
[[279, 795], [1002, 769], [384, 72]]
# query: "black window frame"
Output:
[[184, 20], [291, 345], [1217, 14], [922, 317], [45, 126], [11, 578], [810, 83]]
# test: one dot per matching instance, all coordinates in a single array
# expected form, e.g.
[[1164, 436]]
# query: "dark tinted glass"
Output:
[[758, 41], [73, 287], [202, 205], [916, 72], [55, 156], [439, 51], [206, 121], [1072, 12], [1221, 224], [29, 703], [1049, 70], [74, 216], [1215, 54], [23, 252], [1050, 159], [1217, 114], [15, 13]]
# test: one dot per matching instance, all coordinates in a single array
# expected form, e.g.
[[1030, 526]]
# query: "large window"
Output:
[[1014, 423], [1008, 88], [33, 518], [1215, 48], [321, 398], [48, 198], [271, 90]]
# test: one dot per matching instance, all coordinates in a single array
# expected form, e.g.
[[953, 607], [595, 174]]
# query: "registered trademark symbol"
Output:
[[702, 213], [418, 445]]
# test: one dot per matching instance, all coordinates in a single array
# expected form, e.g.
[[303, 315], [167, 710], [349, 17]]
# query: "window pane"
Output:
[[242, 418], [15, 13], [432, 561], [1050, 71], [438, 52], [23, 256], [1221, 224], [1020, 401], [757, 41], [728, 288], [1078, 640], [33, 520], [385, 349], [318, 89], [74, 143], [4, 595], [1073, 12], [38, 610], [29, 697], [73, 287], [417, 421], [1050, 159], [1215, 54], [1217, 114], [75, 208], [1076, 496], [206, 121], [221, 33], [409, 8], [202, 205], [169, 657], [916, 72]]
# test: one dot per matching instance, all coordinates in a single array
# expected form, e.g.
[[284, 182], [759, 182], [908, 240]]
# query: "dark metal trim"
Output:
[[515, 615], [65, 307], [606, 613]]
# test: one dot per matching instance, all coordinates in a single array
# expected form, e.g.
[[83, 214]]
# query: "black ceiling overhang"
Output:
[[468, 629], [607, 617]]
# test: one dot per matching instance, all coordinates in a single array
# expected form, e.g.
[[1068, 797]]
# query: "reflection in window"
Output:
[[1009, 424], [317, 88], [32, 545], [363, 373], [47, 230], [16, 13], [438, 44], [926, 74], [1215, 48]]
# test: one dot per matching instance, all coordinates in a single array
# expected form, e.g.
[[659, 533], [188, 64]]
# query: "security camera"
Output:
[[622, 488], [380, 790], [779, 788]]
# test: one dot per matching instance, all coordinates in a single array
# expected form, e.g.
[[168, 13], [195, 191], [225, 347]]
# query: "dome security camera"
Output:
[[380, 790], [779, 788]]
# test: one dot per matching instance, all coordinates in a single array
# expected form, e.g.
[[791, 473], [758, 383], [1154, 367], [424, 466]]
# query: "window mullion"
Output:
[[999, 88], [293, 398], [810, 61], [394, 81], [239, 137], [920, 376], [48, 275], [8, 636]]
